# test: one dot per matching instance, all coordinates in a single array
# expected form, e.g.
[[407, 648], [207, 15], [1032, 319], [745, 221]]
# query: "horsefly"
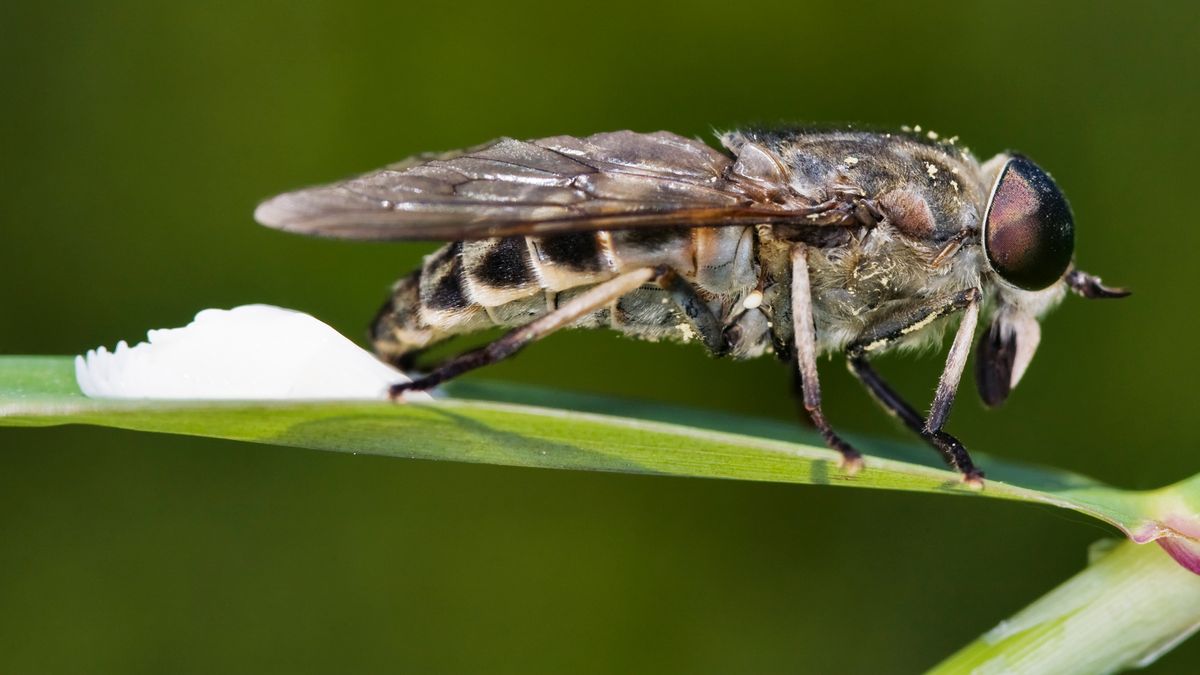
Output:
[[794, 242]]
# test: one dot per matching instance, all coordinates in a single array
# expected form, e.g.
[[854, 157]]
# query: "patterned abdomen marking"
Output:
[[475, 285]]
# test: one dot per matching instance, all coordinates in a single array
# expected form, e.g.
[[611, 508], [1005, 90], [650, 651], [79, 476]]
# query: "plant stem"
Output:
[[1128, 607]]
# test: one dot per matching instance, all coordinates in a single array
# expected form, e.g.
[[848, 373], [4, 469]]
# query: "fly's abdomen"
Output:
[[474, 285]]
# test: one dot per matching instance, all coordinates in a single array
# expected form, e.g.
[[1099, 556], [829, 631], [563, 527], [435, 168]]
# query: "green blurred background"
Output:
[[136, 138]]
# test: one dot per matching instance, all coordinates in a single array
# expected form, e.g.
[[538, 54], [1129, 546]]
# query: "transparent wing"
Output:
[[616, 180]]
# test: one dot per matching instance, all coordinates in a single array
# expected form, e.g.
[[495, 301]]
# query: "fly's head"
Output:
[[1028, 237]]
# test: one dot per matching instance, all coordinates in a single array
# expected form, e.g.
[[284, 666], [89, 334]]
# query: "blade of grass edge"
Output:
[[571, 431]]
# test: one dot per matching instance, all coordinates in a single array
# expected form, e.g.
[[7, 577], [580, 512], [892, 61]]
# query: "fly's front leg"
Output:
[[907, 323], [951, 449], [956, 361], [581, 305], [805, 339]]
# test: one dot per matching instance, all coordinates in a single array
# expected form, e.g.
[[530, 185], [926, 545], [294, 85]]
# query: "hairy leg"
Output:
[[683, 294], [930, 429], [806, 359]]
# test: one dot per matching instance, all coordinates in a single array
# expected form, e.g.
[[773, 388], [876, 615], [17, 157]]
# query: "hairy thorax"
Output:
[[878, 275], [924, 246]]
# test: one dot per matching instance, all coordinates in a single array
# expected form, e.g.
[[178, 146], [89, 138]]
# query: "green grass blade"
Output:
[[1127, 608], [518, 426]]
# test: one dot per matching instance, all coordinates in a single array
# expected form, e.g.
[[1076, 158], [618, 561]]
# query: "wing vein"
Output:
[[621, 180]]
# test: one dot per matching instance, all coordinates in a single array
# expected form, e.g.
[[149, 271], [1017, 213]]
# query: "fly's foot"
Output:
[[956, 456], [852, 460], [396, 391], [851, 464]]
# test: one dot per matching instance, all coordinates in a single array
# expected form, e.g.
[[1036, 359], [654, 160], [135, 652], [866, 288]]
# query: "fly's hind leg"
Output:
[[806, 359], [930, 429], [683, 294], [579, 306]]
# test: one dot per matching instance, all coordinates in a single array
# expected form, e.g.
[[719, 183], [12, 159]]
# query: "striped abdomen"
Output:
[[475, 285]]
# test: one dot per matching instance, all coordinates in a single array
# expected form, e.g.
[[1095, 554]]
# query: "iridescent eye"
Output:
[[1028, 231]]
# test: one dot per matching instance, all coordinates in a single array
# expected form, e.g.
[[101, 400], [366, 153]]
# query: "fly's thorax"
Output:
[[930, 187], [931, 193], [863, 283]]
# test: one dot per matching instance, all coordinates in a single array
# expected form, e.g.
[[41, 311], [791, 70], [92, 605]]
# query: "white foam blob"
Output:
[[252, 352]]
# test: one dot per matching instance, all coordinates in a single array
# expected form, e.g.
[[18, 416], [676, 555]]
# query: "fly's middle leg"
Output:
[[951, 449], [806, 359]]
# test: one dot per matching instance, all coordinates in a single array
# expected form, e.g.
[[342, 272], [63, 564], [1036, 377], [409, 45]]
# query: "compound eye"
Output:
[[1028, 231]]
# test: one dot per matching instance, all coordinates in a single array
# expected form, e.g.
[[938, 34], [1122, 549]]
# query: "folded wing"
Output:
[[610, 181]]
